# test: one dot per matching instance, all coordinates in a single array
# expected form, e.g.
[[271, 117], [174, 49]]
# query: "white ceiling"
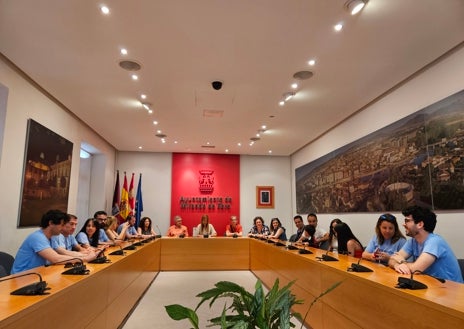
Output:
[[72, 51]]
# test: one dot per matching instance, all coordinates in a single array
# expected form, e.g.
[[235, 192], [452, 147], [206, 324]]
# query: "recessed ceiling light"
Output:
[[123, 51], [227, 150], [175, 142], [158, 131], [143, 96], [270, 151], [150, 111], [105, 10], [135, 77], [257, 135], [312, 62], [354, 6], [155, 122], [239, 144], [338, 27], [264, 127], [281, 103], [140, 147], [294, 85], [163, 140]]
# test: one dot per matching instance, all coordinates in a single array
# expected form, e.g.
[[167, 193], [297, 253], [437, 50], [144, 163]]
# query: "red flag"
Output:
[[124, 205], [116, 197], [131, 196]]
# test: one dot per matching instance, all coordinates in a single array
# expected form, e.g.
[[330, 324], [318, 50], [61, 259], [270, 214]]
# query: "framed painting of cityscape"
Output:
[[416, 160], [46, 174]]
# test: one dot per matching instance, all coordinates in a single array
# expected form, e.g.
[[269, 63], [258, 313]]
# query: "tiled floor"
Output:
[[181, 288]]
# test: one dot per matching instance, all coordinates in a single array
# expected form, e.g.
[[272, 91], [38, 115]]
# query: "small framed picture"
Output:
[[265, 197]]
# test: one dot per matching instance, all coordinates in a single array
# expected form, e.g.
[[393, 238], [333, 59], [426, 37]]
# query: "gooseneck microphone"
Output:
[[119, 252], [159, 231], [75, 268], [410, 283], [357, 267], [327, 258], [33, 289]]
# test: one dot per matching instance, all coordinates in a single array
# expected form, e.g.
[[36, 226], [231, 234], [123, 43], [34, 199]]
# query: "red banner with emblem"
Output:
[[205, 184]]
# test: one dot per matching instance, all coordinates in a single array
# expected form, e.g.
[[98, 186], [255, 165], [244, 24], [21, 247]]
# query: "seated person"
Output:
[[234, 229], [277, 231], [204, 228], [145, 228], [111, 230], [307, 238], [430, 252], [90, 235], [177, 230], [387, 240], [321, 236], [348, 243], [259, 229], [65, 243], [36, 249], [131, 231], [332, 241]]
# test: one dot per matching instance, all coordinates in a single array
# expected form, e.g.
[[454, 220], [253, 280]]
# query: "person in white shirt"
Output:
[[320, 236]]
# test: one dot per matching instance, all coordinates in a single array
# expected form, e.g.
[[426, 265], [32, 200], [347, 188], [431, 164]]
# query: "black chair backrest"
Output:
[[6, 261], [461, 265]]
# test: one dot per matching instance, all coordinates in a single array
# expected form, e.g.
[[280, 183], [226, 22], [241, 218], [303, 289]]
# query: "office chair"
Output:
[[6, 261]]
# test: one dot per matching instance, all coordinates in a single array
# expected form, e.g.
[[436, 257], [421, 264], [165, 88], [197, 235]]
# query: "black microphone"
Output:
[[67, 262], [131, 246], [358, 267], [291, 247], [304, 251], [100, 259], [33, 289], [119, 252], [279, 243], [76, 268], [159, 231], [327, 258], [410, 283]]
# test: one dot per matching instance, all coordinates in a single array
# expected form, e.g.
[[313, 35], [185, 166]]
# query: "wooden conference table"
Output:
[[106, 296]]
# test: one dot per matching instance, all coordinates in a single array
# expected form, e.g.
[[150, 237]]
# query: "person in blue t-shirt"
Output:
[[429, 252], [387, 240], [36, 249]]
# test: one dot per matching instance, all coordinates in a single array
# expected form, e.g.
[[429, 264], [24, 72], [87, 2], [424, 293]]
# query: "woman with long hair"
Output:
[[90, 234], [205, 227], [347, 242], [333, 242], [387, 240], [111, 230], [277, 230], [145, 228]]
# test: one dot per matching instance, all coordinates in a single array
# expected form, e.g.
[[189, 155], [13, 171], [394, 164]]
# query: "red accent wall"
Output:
[[188, 201]]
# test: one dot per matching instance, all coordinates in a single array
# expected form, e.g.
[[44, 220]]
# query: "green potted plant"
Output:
[[249, 311]]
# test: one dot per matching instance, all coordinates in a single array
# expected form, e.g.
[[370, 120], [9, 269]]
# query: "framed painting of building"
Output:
[[46, 174]]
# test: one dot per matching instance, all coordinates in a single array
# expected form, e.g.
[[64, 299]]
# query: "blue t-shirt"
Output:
[[82, 237], [67, 242], [387, 246], [445, 266], [27, 256], [130, 230]]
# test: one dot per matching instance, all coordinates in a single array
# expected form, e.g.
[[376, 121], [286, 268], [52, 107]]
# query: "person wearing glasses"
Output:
[[430, 253], [387, 240]]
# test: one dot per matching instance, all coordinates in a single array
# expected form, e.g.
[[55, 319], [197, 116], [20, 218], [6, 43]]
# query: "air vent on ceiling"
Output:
[[213, 113], [161, 135], [255, 139], [208, 146], [303, 75]]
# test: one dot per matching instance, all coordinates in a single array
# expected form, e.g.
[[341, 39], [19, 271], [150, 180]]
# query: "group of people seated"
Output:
[[55, 243], [425, 252]]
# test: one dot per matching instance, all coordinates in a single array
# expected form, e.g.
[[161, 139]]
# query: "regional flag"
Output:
[[138, 202], [131, 196]]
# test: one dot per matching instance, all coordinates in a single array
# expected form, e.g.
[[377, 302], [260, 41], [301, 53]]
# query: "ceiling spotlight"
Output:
[[123, 51], [312, 62], [294, 85], [338, 27], [155, 122], [146, 105], [135, 77], [355, 6], [281, 103], [288, 95], [143, 96], [105, 10]]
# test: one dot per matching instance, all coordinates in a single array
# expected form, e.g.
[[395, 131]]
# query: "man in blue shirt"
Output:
[[429, 252], [66, 244], [131, 231], [36, 249]]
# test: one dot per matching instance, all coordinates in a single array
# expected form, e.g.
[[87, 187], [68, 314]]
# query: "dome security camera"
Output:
[[216, 85]]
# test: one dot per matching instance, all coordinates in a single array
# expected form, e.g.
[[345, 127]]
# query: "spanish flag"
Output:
[[124, 205]]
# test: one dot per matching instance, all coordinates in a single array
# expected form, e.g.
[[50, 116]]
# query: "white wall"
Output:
[[254, 170], [24, 102], [438, 82]]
